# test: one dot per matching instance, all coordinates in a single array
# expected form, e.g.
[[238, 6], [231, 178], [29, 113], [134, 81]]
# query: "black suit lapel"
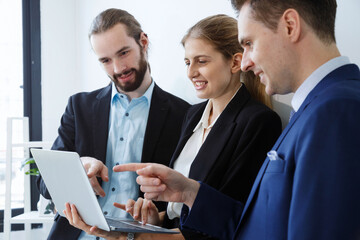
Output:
[[188, 130], [101, 110], [208, 154], [218, 137], [157, 115]]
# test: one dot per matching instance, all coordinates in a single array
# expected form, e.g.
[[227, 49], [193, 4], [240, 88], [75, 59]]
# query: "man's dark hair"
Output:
[[318, 14], [111, 17]]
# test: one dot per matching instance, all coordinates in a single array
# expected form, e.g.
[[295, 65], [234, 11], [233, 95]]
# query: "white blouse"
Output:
[[189, 152]]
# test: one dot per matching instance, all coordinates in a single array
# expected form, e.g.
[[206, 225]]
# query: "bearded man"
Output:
[[131, 120]]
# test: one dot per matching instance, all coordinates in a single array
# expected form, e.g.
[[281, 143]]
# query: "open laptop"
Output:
[[66, 181]]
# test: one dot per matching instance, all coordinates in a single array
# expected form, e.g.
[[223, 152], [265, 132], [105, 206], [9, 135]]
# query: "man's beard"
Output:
[[139, 76]]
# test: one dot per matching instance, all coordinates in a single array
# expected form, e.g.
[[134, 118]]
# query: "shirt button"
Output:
[[113, 189], [127, 114], [121, 96], [117, 163], [121, 139], [97, 238], [105, 212]]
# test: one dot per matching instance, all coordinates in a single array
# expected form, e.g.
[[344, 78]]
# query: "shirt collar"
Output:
[[147, 95], [309, 84], [204, 121]]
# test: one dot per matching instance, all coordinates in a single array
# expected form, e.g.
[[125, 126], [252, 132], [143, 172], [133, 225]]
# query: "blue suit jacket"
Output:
[[84, 129], [312, 191]]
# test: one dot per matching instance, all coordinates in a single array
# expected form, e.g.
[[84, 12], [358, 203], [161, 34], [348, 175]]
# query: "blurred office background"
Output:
[[64, 63]]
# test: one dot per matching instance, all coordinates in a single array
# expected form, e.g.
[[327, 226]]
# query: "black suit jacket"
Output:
[[84, 129], [234, 150]]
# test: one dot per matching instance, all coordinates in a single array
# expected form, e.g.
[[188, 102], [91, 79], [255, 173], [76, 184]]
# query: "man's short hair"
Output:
[[318, 14]]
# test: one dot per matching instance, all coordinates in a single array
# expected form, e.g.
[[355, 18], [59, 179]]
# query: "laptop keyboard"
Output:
[[131, 225]]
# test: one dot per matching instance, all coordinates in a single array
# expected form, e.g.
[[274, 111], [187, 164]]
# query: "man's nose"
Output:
[[246, 63], [119, 67]]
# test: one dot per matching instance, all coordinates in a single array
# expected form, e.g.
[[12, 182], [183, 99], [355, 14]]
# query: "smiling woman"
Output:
[[67, 46], [69, 65], [225, 139]]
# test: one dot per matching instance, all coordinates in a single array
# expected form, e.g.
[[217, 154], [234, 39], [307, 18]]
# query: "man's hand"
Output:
[[161, 183], [95, 168]]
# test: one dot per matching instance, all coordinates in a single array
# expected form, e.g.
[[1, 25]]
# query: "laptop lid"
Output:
[[67, 182]]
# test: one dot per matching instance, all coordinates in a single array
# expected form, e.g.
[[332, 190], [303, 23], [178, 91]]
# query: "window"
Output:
[[11, 90], [20, 86]]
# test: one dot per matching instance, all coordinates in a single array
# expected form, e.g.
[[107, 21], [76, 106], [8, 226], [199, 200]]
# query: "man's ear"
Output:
[[236, 63], [291, 24], [144, 41]]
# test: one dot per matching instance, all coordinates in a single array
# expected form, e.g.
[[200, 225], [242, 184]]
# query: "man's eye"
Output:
[[124, 53], [202, 61]]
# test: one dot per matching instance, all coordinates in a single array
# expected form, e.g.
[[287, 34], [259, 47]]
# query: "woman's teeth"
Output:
[[199, 84]]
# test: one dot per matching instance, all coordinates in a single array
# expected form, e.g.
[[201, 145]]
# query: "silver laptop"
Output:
[[67, 182]]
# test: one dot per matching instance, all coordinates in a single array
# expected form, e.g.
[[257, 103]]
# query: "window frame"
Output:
[[32, 77], [31, 88]]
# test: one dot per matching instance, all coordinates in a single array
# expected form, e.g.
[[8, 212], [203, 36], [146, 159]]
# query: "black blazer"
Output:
[[84, 129], [234, 150]]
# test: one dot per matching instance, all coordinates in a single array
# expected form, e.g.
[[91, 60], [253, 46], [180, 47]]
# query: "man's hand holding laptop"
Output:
[[95, 168]]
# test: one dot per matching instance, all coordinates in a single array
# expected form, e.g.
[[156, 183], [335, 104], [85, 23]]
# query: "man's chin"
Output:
[[269, 91], [127, 87]]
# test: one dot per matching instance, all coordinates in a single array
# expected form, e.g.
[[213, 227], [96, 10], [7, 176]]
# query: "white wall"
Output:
[[59, 78], [69, 65], [347, 29]]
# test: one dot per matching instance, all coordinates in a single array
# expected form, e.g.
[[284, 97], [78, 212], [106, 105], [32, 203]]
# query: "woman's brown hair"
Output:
[[221, 32]]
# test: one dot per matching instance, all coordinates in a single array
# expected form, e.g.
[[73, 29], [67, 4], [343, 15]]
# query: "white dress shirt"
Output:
[[309, 84], [190, 150]]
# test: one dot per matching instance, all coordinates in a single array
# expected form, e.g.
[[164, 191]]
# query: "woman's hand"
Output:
[[143, 210], [75, 220]]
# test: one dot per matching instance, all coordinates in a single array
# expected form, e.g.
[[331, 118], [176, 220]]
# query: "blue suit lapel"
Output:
[[266, 162], [335, 76]]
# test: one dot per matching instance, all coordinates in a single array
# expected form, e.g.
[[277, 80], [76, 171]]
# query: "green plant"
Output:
[[50, 207], [31, 171]]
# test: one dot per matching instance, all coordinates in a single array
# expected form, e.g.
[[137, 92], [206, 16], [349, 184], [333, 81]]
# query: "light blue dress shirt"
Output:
[[127, 125]]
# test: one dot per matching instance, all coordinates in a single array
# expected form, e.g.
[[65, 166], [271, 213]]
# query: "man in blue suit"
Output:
[[309, 186], [130, 120]]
